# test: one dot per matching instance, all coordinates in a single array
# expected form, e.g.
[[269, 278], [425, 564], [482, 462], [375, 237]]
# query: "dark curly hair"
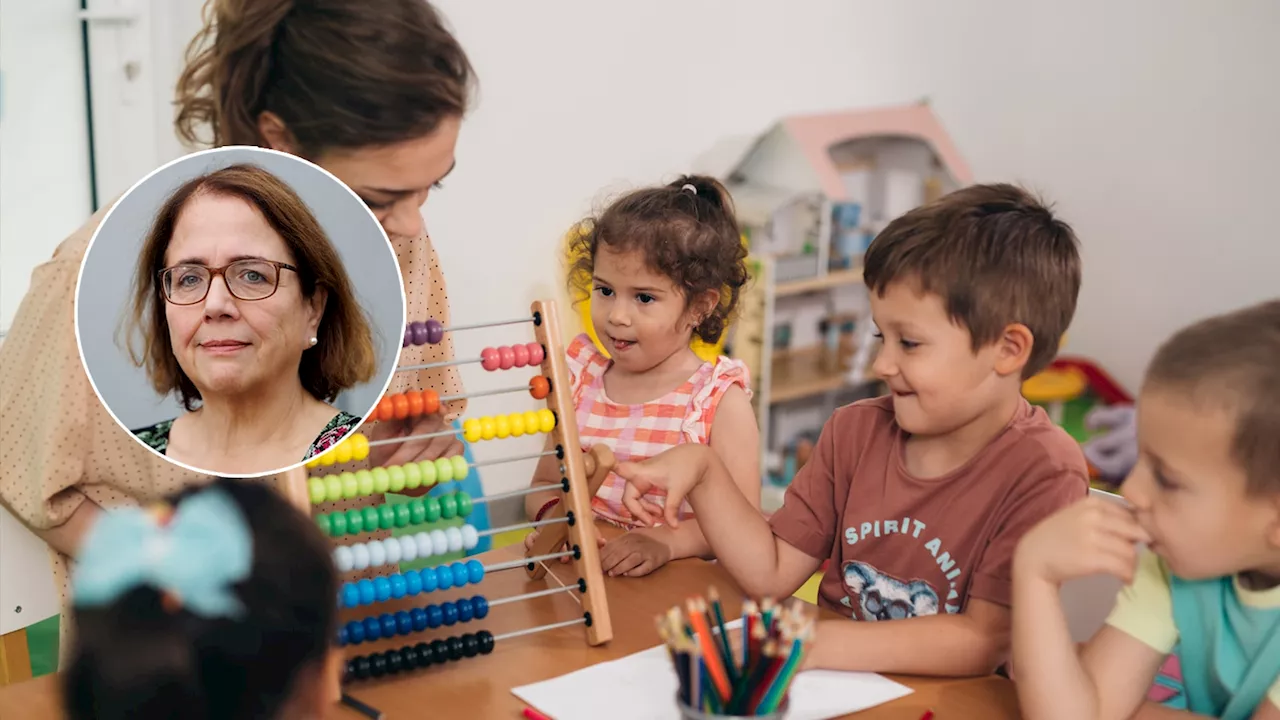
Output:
[[686, 231]]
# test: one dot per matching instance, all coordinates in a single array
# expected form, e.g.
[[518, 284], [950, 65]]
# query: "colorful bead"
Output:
[[475, 571], [402, 515], [470, 538], [488, 428], [359, 557], [440, 543], [367, 594], [350, 486], [382, 589], [419, 332], [520, 355], [454, 537], [424, 544], [444, 577], [471, 430], [371, 518], [506, 357], [391, 548], [450, 612], [435, 616], [404, 624], [444, 470], [409, 550], [412, 476], [342, 558], [516, 422], [539, 387], [401, 405], [502, 427], [332, 487], [430, 402], [418, 617], [350, 595], [479, 607], [448, 506], [408, 337], [315, 490], [429, 581], [464, 503], [465, 611], [427, 468], [381, 480], [536, 353], [372, 628], [342, 453], [459, 467], [417, 513], [364, 482], [355, 522], [322, 521], [459, 571], [377, 554], [385, 409], [546, 420], [338, 521], [398, 586], [435, 332], [489, 359], [396, 473], [359, 446], [530, 421], [389, 624], [470, 645]]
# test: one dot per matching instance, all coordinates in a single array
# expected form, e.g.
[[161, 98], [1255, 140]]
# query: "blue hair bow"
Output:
[[204, 549]]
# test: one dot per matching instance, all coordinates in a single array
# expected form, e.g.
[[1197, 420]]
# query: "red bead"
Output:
[[489, 359], [539, 387], [415, 403], [521, 354], [430, 402], [506, 357], [536, 354], [401, 405], [385, 410]]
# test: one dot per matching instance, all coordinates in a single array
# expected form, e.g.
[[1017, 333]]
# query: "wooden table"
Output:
[[481, 687]]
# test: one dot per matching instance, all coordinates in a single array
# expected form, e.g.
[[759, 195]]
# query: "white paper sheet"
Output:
[[643, 687]]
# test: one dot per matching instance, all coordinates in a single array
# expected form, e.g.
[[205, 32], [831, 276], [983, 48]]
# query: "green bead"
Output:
[[459, 468], [402, 515], [412, 476], [397, 478], [428, 469], [448, 506], [444, 470], [417, 513], [365, 480], [464, 503], [355, 522], [381, 480], [350, 486], [323, 521], [315, 488], [432, 507], [332, 488], [386, 517], [338, 522], [370, 517]]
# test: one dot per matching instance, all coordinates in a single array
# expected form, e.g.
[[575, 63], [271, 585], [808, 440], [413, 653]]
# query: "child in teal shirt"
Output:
[[1205, 499]]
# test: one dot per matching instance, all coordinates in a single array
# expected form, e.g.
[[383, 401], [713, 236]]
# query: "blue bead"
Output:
[[475, 571], [450, 611], [404, 624], [430, 583], [464, 610], [372, 628], [479, 607], [389, 624], [350, 595], [366, 591], [382, 589], [434, 616], [342, 636], [398, 585], [459, 574], [419, 617], [355, 632], [444, 577], [412, 583]]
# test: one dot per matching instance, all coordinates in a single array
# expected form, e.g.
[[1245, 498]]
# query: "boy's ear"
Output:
[[1013, 349]]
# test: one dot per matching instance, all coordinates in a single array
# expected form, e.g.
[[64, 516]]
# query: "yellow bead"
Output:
[[326, 459], [516, 422], [342, 453], [488, 428], [359, 446], [546, 420], [459, 468], [471, 430], [428, 469], [503, 426], [313, 463], [531, 422]]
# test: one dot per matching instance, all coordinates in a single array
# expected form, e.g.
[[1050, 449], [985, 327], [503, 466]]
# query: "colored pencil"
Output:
[[370, 712]]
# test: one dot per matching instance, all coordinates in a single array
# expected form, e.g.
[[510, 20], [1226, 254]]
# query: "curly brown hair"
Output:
[[686, 230]]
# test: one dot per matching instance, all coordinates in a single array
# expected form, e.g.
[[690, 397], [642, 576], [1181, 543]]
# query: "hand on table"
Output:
[[1089, 537], [413, 450], [634, 554], [678, 471]]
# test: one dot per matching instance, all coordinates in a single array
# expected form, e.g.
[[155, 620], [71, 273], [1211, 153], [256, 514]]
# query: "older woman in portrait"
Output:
[[247, 315]]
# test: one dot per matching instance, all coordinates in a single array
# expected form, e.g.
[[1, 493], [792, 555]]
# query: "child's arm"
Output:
[[736, 441], [1110, 676]]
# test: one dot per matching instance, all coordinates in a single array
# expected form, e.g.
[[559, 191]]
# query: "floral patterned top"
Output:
[[157, 436]]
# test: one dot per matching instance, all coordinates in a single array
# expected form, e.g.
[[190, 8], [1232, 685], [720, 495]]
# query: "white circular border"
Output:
[[404, 307]]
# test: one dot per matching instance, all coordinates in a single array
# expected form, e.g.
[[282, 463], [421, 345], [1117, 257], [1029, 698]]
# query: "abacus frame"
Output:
[[578, 530]]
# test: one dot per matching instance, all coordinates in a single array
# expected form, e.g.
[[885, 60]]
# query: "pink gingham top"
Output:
[[638, 432]]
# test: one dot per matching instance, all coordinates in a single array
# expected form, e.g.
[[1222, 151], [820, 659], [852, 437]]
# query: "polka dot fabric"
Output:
[[65, 448]]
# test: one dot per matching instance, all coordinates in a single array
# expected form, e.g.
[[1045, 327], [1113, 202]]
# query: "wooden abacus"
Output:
[[569, 522]]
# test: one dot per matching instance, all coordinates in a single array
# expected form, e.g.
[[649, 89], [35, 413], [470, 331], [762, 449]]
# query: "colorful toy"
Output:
[[582, 476]]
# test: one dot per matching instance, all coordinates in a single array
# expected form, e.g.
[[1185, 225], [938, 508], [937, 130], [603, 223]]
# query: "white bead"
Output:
[[342, 558], [392, 546], [408, 548], [469, 537], [440, 542], [359, 557], [425, 548], [454, 537], [377, 554]]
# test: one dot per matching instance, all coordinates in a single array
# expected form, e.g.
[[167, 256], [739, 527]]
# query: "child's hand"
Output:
[[678, 471], [1092, 536], [634, 554]]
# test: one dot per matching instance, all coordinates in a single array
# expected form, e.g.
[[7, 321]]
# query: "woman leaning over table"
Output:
[[373, 91]]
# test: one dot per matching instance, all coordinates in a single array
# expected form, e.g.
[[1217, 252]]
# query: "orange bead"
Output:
[[430, 402], [385, 410], [539, 387], [401, 404], [415, 403]]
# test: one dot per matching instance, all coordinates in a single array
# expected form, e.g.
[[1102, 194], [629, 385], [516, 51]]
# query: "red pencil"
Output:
[[928, 715], [534, 714]]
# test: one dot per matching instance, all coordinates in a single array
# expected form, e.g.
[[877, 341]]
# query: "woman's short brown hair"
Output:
[[344, 355]]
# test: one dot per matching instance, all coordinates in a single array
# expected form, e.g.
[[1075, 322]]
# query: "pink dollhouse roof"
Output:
[[816, 134]]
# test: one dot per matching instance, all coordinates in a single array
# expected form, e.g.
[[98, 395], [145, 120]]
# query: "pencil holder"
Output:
[[688, 713]]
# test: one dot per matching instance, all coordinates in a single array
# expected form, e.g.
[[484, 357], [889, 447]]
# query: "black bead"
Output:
[[395, 661], [360, 665], [425, 654], [439, 651], [377, 665], [486, 641], [470, 645], [410, 655], [455, 648]]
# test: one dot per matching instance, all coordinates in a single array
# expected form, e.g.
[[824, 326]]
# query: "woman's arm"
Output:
[[66, 538]]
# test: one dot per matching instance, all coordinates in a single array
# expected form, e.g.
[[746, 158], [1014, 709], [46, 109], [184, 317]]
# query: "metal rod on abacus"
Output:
[[521, 526], [540, 628], [516, 493], [499, 461], [496, 323], [407, 438], [484, 393], [440, 364], [513, 564], [532, 595]]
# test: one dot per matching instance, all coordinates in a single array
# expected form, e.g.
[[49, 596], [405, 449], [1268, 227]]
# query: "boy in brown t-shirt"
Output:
[[918, 498]]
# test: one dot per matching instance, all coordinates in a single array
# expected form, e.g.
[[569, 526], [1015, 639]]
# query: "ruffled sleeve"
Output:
[[725, 373], [585, 362]]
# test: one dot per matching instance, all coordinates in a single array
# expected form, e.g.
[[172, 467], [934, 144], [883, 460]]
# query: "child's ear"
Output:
[[703, 305], [1013, 349]]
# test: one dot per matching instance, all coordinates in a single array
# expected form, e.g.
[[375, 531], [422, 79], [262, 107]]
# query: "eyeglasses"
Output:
[[245, 279]]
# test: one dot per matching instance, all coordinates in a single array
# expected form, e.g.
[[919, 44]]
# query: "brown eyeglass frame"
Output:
[[214, 273]]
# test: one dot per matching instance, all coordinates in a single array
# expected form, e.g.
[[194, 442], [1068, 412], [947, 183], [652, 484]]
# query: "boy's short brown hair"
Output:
[[996, 255], [1232, 361]]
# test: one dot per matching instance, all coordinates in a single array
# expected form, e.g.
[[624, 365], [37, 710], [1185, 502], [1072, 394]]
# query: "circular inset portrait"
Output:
[[239, 311]]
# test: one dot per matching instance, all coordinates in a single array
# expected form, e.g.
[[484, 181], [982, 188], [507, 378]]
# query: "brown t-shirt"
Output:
[[902, 546]]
